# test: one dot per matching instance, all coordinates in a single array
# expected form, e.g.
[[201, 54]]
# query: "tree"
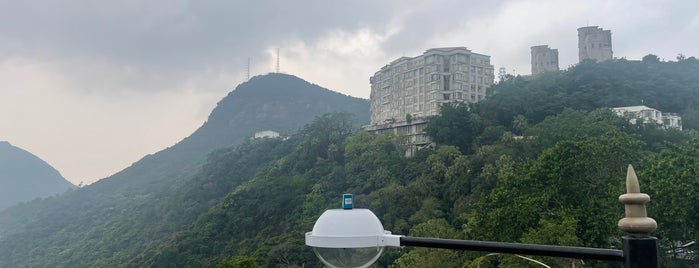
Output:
[[520, 124], [650, 58], [373, 161], [672, 178], [455, 125], [425, 257], [578, 177], [239, 262]]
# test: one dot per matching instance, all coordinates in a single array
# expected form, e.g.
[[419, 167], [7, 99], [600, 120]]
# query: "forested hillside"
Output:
[[113, 220], [548, 174], [667, 86], [542, 160]]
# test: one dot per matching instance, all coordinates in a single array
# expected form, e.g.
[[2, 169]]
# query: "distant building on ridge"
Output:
[[594, 43], [544, 59], [266, 134], [645, 115], [408, 90]]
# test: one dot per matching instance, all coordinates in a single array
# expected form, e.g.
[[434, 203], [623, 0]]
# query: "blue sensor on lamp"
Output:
[[347, 201]]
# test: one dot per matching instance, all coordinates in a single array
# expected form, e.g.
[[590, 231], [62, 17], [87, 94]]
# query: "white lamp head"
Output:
[[349, 238]]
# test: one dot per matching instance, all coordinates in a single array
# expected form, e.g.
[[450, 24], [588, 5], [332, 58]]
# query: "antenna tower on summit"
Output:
[[247, 78], [277, 60]]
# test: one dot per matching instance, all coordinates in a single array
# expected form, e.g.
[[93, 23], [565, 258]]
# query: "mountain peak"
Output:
[[271, 95], [24, 176]]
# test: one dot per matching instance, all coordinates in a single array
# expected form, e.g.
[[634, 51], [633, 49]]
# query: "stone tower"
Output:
[[544, 59], [594, 43]]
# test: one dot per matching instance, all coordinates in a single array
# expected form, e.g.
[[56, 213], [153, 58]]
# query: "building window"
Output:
[[461, 58], [446, 96]]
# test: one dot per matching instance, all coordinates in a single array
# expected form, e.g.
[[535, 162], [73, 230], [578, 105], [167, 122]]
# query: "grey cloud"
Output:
[[177, 37], [434, 17], [159, 44], [167, 32]]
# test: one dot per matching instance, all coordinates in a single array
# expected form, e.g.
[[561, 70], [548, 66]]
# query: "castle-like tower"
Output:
[[594, 43], [544, 59]]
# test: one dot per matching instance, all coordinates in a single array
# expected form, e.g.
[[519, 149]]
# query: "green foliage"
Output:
[[373, 161], [667, 86], [672, 180], [455, 125], [123, 218], [579, 177], [541, 161], [650, 58], [574, 125], [424, 257], [238, 262]]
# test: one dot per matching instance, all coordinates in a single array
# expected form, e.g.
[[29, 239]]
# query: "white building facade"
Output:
[[407, 91], [416, 87], [646, 115], [266, 134]]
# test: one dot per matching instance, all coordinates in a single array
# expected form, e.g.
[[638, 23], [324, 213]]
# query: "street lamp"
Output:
[[355, 237], [349, 237]]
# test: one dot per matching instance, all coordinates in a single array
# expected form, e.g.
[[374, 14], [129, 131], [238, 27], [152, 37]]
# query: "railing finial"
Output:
[[636, 222]]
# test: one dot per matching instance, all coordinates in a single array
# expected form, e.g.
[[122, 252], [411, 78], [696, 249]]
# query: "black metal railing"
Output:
[[516, 248], [639, 249]]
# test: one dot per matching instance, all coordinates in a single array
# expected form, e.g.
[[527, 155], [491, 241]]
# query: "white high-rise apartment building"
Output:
[[407, 91], [413, 88]]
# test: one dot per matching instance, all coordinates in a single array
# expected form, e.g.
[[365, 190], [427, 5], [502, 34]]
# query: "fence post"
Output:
[[640, 249]]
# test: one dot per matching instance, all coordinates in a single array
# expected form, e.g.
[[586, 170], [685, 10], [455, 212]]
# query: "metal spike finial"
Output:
[[636, 222]]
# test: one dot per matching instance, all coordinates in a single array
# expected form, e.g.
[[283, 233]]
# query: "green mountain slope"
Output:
[[557, 186], [115, 219], [24, 177], [667, 86], [521, 158], [278, 102]]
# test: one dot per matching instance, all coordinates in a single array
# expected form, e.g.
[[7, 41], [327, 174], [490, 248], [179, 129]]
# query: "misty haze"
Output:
[[215, 134]]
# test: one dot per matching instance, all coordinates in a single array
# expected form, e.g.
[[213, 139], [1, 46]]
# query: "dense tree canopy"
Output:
[[542, 160]]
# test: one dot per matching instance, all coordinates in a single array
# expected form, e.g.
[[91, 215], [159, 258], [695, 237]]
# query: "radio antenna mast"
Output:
[[248, 73], [277, 60]]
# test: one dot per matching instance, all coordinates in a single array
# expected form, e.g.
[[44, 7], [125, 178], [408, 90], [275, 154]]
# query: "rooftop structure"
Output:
[[502, 73]]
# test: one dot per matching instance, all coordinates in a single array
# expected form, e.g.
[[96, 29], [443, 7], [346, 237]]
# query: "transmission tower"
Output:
[[277, 60]]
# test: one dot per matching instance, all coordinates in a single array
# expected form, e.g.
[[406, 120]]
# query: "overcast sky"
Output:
[[93, 86]]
